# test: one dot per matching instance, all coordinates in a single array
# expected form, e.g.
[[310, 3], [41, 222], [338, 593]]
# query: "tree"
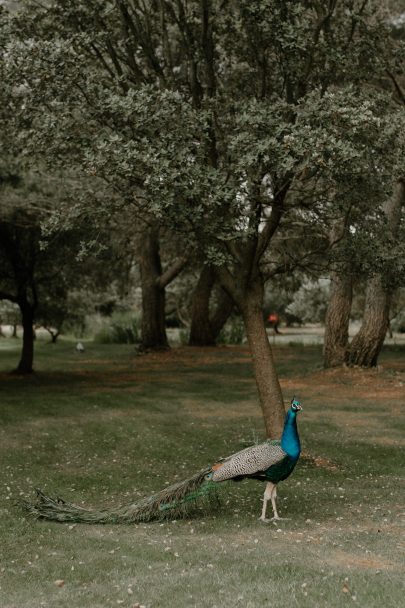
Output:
[[377, 265], [10, 314], [20, 257], [38, 271], [210, 310], [340, 302], [154, 281], [382, 284], [278, 136], [366, 345]]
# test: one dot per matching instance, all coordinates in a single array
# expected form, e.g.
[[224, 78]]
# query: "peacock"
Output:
[[271, 462]]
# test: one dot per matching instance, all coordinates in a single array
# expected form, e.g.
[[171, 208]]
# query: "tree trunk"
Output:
[[153, 330], [367, 344], [271, 398], [54, 334], [337, 320], [205, 328], [222, 312], [27, 353], [201, 333]]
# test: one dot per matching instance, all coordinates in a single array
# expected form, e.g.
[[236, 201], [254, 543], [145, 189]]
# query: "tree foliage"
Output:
[[202, 115]]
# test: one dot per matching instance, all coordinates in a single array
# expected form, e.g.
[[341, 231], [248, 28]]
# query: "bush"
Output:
[[310, 301], [398, 323], [121, 328], [233, 332]]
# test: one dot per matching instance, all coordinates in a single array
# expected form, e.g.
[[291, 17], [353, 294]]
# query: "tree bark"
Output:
[[244, 283], [153, 330], [268, 386], [25, 365], [205, 327], [337, 320], [201, 333], [367, 344], [222, 312]]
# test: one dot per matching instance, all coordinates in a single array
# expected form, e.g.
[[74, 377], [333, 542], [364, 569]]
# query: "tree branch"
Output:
[[141, 34], [355, 22], [273, 222], [172, 272], [126, 28], [208, 46], [230, 284], [322, 23], [100, 57], [397, 86]]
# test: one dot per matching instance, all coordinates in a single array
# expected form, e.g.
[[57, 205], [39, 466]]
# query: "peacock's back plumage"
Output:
[[250, 461]]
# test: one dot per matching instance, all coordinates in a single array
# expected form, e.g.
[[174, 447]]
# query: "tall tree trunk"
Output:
[[367, 344], [244, 282], [200, 330], [205, 327], [153, 330], [224, 308], [25, 365], [268, 386], [337, 320]]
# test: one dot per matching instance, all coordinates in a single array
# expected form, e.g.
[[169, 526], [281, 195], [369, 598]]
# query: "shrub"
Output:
[[233, 332], [121, 328]]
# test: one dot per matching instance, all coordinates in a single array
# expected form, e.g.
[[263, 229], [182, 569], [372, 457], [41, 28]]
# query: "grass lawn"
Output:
[[105, 428]]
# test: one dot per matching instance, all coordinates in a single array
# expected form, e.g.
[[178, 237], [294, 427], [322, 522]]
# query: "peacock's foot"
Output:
[[278, 518], [264, 520]]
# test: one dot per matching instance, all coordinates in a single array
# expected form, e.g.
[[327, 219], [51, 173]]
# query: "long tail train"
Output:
[[173, 502]]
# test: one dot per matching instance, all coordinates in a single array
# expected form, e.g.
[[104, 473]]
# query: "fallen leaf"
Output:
[[59, 583]]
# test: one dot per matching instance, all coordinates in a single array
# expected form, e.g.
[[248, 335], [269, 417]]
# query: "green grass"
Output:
[[104, 428]]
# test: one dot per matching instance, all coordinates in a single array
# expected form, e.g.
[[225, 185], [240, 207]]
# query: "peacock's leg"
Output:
[[270, 487], [273, 502]]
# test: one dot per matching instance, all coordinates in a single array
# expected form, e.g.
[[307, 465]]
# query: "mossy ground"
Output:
[[106, 427]]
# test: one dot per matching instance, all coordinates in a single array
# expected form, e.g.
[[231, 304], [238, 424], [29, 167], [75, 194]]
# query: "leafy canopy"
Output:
[[223, 121]]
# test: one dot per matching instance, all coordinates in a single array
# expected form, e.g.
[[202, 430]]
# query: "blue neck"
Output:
[[290, 442]]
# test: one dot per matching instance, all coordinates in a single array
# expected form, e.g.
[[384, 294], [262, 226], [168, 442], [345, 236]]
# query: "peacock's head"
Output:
[[295, 405]]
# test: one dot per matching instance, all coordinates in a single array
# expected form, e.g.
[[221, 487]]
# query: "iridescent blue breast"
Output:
[[281, 470]]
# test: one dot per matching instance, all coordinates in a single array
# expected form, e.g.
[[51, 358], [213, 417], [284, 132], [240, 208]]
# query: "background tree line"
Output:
[[241, 145]]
